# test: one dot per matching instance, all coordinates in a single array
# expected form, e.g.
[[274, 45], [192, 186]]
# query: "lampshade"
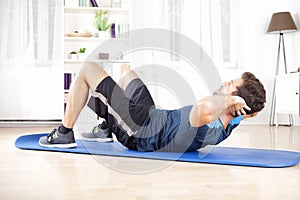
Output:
[[282, 22]]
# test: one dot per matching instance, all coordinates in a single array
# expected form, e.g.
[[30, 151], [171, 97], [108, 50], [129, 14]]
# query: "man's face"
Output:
[[228, 88]]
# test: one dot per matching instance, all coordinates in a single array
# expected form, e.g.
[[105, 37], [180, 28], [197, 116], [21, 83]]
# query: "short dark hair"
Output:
[[253, 92]]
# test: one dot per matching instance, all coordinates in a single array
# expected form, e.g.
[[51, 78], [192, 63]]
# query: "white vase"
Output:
[[103, 34], [81, 56], [73, 56]]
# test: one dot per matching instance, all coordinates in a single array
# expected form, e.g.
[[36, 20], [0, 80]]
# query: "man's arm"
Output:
[[210, 108]]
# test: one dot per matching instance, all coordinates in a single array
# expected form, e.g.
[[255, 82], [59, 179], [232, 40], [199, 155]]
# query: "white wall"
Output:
[[257, 51], [34, 93]]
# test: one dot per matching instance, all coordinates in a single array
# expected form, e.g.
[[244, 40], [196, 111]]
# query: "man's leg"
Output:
[[138, 93], [123, 111], [127, 75], [102, 132], [89, 76], [134, 87]]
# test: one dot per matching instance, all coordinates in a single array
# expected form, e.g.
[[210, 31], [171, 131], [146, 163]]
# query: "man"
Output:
[[130, 114]]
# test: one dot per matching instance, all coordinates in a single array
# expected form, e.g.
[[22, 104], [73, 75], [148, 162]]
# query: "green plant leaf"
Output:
[[102, 21]]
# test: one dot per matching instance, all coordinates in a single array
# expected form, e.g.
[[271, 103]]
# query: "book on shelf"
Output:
[[97, 3], [67, 80], [122, 31], [78, 3], [84, 3], [94, 3], [66, 97]]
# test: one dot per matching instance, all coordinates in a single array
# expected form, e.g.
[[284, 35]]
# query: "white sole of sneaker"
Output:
[[62, 146], [98, 139]]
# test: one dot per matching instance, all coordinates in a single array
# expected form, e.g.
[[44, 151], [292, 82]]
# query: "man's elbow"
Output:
[[206, 111]]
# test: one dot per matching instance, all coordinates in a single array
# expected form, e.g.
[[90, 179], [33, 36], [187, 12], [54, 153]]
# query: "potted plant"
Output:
[[81, 53], [73, 55], [102, 23]]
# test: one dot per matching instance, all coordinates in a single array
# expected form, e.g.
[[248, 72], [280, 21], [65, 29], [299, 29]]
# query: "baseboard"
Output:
[[22, 123]]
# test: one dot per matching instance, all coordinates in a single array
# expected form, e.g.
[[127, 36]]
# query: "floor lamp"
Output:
[[280, 23]]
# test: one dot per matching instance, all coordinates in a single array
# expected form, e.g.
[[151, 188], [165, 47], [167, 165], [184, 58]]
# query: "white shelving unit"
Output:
[[82, 20]]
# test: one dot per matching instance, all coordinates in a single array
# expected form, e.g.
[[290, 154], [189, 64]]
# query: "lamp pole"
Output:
[[273, 107], [280, 22]]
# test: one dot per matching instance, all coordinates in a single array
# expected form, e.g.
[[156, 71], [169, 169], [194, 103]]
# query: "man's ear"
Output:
[[250, 115]]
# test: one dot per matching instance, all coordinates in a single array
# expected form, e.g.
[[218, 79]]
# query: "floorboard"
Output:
[[28, 174]]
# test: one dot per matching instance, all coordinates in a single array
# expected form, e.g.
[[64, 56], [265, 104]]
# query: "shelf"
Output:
[[72, 66], [92, 39], [94, 9], [71, 61], [83, 39]]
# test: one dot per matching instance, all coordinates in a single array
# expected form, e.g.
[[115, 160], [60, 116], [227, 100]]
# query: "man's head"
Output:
[[249, 88], [252, 91]]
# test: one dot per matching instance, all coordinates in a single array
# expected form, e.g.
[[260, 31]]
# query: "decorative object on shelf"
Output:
[[71, 3], [81, 53], [298, 69], [120, 56], [80, 34], [73, 55], [82, 50], [103, 34], [103, 56], [281, 22], [102, 24]]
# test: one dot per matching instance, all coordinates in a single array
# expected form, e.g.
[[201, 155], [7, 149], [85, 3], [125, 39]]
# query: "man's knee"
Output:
[[127, 78], [89, 70], [125, 68], [88, 67], [92, 74]]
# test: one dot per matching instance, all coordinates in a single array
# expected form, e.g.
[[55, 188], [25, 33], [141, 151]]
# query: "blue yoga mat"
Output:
[[213, 155]]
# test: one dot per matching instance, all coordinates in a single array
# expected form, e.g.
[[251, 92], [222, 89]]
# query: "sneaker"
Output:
[[100, 133], [58, 140]]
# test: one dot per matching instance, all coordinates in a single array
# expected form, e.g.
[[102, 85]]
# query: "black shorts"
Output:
[[124, 111]]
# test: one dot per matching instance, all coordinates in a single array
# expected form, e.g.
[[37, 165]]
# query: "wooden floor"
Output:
[[36, 175]]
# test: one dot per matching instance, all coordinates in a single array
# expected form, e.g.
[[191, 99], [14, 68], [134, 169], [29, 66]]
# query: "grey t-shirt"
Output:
[[170, 130]]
